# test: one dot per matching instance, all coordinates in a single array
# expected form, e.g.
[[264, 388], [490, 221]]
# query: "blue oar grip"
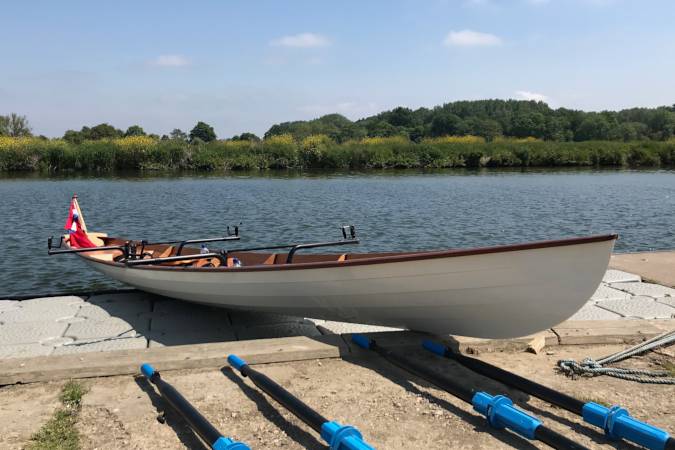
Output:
[[434, 347], [147, 370], [223, 443], [618, 424], [236, 362], [361, 340], [501, 413], [343, 437]]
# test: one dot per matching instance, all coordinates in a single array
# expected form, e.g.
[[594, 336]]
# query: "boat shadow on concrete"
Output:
[[167, 322], [421, 388]]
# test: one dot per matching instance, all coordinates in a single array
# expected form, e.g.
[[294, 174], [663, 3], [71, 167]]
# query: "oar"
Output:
[[498, 409], [615, 421], [338, 437], [196, 421]]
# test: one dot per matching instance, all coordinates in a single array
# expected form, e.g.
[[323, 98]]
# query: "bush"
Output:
[[321, 152]]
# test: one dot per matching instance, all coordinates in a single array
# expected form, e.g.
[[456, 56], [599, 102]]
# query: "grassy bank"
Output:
[[59, 433], [320, 152]]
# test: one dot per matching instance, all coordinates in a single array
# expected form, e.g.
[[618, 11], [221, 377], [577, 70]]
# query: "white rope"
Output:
[[591, 367]]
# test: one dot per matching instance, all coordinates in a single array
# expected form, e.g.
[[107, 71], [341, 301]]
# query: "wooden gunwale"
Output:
[[402, 257]]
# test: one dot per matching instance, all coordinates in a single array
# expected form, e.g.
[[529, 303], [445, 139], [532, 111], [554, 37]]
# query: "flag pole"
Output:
[[83, 225]]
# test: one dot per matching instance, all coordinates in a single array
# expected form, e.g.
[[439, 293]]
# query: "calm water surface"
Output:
[[392, 211]]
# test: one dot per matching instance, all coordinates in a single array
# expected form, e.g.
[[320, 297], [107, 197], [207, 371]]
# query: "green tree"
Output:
[[401, 117], [101, 131], [246, 137], [447, 124], [178, 134], [203, 131], [74, 137], [529, 124], [593, 127], [134, 130], [486, 128], [14, 125]]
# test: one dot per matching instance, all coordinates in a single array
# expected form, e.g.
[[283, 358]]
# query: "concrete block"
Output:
[[63, 300], [605, 331], [345, 327], [24, 350], [117, 309], [638, 307], [604, 292], [645, 289], [102, 345], [619, 276], [126, 296], [135, 314], [30, 332], [163, 339], [277, 331], [591, 312], [171, 306], [91, 329], [194, 322], [252, 318], [670, 301], [8, 305], [200, 356], [39, 313]]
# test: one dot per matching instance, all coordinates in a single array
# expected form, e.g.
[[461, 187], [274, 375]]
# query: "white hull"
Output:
[[497, 294]]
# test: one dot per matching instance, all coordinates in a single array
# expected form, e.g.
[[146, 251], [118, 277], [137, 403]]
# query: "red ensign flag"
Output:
[[78, 237]]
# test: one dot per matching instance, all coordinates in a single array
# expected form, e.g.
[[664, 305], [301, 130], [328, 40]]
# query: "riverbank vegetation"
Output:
[[60, 432], [484, 133], [321, 152]]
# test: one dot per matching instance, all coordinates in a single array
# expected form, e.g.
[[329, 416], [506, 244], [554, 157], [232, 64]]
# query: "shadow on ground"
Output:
[[472, 380]]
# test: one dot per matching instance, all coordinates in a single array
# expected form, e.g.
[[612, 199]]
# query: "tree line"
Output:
[[489, 119]]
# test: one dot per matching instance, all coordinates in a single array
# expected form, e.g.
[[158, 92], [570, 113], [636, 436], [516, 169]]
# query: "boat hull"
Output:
[[496, 294]]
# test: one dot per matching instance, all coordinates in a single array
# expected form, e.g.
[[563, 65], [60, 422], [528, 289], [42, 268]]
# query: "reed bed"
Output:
[[320, 152]]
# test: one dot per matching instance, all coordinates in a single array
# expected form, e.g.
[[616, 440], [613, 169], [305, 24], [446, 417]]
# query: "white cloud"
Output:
[[170, 61], [527, 95], [302, 40], [470, 38]]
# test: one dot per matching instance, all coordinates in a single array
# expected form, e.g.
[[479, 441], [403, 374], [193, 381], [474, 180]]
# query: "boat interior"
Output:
[[244, 258]]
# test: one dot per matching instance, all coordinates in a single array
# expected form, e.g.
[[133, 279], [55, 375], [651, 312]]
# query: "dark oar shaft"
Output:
[[498, 409], [338, 437], [511, 379], [615, 421], [197, 422]]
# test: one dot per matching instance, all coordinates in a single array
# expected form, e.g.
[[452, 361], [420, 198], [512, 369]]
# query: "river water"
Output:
[[391, 211]]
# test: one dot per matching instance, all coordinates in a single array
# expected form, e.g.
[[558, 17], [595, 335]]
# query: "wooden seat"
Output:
[[167, 252], [207, 262], [271, 259]]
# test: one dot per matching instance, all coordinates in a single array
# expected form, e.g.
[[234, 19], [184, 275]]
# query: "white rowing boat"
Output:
[[492, 292]]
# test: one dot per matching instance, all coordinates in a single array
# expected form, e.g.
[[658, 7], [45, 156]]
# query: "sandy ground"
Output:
[[393, 410]]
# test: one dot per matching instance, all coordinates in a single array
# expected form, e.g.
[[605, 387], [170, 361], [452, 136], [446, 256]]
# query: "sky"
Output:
[[246, 65]]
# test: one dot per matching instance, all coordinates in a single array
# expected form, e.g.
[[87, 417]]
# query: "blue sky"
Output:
[[243, 66]]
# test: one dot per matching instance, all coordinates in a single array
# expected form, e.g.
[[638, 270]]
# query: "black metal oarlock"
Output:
[[498, 409], [615, 421], [222, 255], [197, 422], [338, 437], [56, 250]]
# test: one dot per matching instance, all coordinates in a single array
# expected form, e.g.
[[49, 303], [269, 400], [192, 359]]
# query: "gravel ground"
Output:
[[392, 409]]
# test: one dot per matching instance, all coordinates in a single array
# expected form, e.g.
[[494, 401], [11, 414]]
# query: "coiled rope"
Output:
[[591, 368]]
